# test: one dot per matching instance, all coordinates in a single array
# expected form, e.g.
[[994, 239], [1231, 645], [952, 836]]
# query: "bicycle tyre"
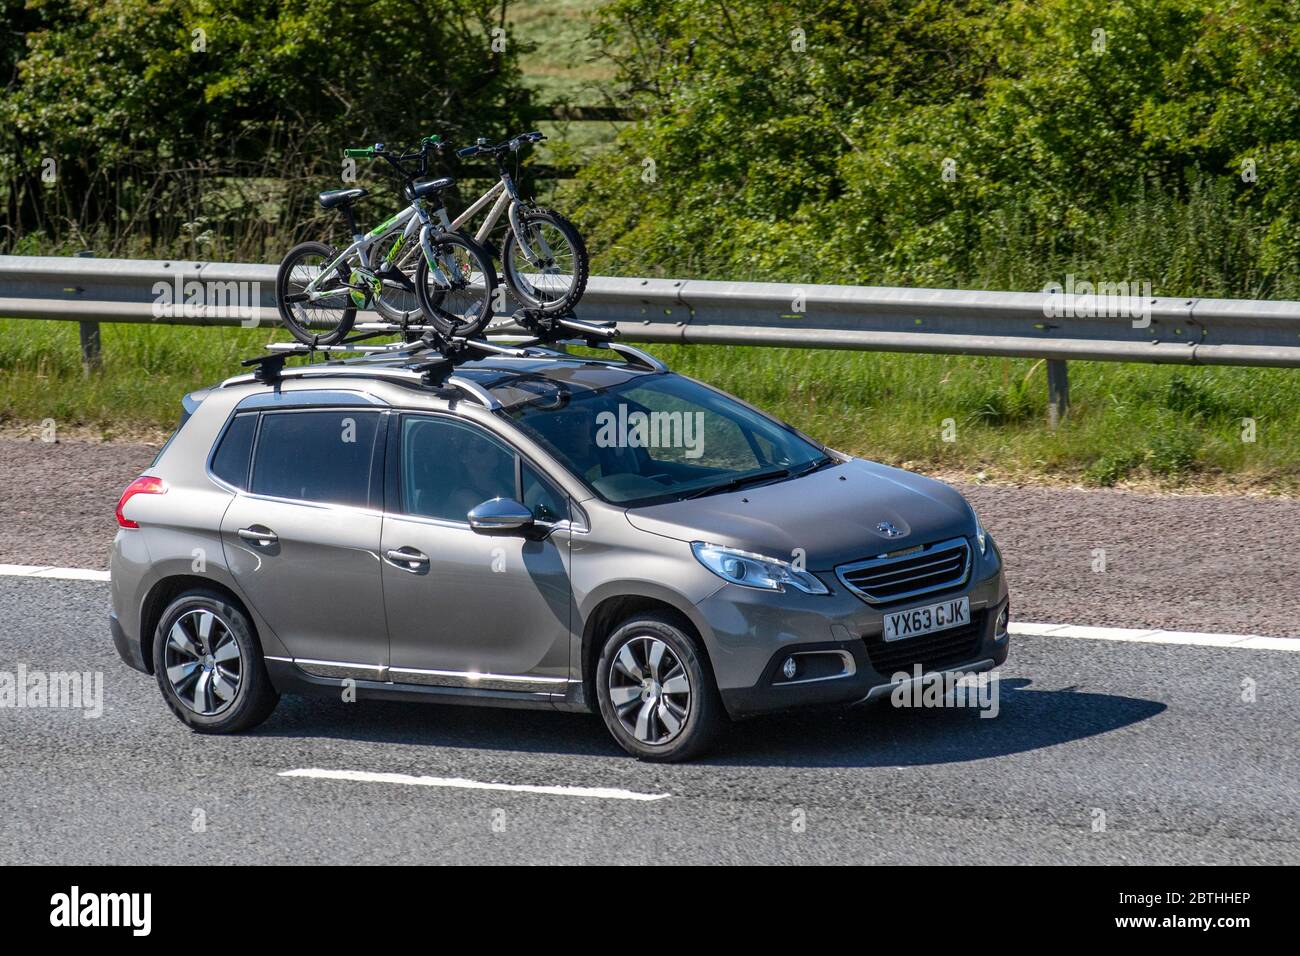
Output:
[[531, 295], [306, 329], [462, 311]]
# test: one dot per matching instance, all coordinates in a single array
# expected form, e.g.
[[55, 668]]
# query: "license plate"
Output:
[[926, 620]]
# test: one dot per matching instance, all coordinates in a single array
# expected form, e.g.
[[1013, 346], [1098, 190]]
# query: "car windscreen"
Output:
[[658, 438]]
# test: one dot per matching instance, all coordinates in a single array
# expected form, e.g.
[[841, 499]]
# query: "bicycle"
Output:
[[319, 289], [544, 258]]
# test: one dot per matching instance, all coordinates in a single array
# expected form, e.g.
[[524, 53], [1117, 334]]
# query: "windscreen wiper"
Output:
[[739, 482], [815, 465]]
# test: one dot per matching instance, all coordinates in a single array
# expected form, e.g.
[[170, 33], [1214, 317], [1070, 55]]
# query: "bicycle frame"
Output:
[[507, 198], [414, 218]]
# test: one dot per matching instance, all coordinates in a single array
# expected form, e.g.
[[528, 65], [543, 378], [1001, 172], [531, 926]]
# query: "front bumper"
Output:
[[837, 641]]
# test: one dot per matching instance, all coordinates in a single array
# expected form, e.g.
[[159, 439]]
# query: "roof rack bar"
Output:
[[298, 348], [483, 345]]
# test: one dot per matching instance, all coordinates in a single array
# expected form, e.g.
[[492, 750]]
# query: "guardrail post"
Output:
[[1058, 391], [91, 359]]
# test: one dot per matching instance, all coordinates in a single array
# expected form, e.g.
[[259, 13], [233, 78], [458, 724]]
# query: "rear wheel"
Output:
[[456, 292], [209, 665], [656, 693], [549, 269], [320, 319]]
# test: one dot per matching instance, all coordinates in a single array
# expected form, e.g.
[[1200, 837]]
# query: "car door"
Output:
[[466, 609], [302, 539]]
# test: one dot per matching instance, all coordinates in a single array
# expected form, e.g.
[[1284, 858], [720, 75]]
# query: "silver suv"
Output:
[[546, 531]]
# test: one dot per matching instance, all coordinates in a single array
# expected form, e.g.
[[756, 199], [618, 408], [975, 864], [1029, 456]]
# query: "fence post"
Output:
[[1058, 391], [91, 359]]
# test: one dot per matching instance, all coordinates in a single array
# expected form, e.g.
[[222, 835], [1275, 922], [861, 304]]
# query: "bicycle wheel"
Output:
[[324, 320], [456, 296], [552, 274], [397, 300]]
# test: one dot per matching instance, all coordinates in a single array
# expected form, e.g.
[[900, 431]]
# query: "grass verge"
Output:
[[1128, 424]]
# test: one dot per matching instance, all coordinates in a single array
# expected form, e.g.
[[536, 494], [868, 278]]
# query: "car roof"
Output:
[[509, 381]]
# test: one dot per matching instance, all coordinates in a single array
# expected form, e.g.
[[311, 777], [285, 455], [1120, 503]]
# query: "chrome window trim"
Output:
[[885, 560]]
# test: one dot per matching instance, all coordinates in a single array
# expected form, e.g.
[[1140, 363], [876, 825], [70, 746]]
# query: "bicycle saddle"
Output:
[[428, 186], [340, 197]]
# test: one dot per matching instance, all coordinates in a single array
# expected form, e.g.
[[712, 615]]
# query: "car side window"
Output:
[[230, 462], [542, 498], [317, 456], [448, 467]]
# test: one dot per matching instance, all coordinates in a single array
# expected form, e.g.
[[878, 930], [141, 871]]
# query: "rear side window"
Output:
[[324, 456], [230, 463]]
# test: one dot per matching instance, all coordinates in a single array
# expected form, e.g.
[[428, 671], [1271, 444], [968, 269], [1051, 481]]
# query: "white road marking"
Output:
[[45, 571], [1152, 635], [1136, 635], [362, 776]]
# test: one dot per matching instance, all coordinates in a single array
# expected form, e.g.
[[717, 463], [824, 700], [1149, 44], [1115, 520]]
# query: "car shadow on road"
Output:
[[885, 736], [876, 736]]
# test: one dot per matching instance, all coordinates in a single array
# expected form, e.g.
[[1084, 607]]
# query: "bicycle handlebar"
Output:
[[509, 145], [379, 149]]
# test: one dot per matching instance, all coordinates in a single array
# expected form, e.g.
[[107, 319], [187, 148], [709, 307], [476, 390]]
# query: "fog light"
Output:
[[1000, 627], [789, 668]]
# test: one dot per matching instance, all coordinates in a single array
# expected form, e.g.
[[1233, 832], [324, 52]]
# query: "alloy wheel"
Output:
[[650, 690], [203, 662]]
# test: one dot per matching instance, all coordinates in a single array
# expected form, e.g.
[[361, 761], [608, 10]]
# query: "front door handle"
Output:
[[259, 534], [408, 559]]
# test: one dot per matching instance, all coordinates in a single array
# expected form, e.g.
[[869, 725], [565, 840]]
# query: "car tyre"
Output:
[[656, 691], [208, 663]]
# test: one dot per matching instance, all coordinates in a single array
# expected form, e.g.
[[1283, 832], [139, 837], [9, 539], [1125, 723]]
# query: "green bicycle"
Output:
[[413, 270]]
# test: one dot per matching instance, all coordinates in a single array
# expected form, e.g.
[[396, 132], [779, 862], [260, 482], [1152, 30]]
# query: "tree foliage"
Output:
[[215, 121], [809, 140]]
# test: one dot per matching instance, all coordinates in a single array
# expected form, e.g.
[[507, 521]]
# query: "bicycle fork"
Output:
[[431, 257]]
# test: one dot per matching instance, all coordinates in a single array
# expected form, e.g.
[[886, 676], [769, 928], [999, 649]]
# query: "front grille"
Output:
[[931, 651], [884, 580]]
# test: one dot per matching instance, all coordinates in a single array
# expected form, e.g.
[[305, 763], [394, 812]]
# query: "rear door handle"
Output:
[[408, 559], [259, 534]]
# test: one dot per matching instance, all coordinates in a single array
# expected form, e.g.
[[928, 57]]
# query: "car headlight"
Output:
[[981, 536], [755, 570]]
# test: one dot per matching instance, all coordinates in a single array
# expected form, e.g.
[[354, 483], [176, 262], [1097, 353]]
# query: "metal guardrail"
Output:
[[1185, 331]]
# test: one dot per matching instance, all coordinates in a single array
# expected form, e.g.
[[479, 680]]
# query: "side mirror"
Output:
[[500, 515]]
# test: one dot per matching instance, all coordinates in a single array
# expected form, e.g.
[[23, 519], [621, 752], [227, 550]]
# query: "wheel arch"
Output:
[[164, 591], [616, 604]]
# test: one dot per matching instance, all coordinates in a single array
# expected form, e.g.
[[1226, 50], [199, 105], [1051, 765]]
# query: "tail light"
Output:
[[144, 485]]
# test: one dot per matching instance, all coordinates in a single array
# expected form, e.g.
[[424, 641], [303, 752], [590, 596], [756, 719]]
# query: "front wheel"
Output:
[[456, 289], [325, 313], [655, 690], [549, 269]]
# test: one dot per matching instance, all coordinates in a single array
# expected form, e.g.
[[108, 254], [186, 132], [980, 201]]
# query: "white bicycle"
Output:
[[544, 259]]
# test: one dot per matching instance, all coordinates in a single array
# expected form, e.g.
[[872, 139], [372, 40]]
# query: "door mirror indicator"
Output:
[[498, 515]]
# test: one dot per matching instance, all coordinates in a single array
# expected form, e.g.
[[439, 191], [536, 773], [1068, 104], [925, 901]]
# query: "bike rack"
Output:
[[540, 330]]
